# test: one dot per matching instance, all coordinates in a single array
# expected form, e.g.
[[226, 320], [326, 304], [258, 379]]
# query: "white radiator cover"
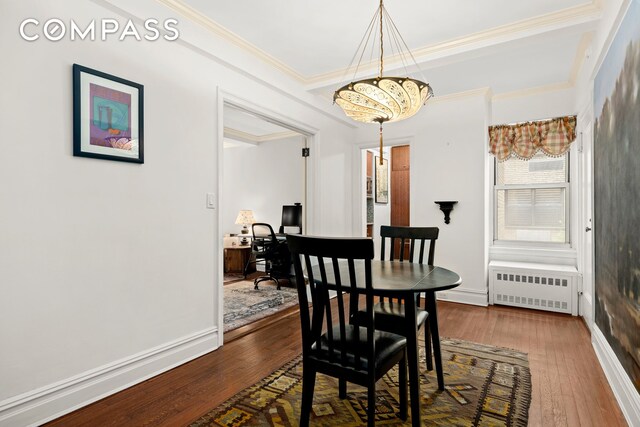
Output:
[[537, 286]]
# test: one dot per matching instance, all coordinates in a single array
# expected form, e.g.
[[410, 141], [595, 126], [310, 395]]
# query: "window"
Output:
[[532, 199]]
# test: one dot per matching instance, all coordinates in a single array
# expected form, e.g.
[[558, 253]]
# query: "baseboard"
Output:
[[464, 296], [586, 311], [50, 402], [624, 390]]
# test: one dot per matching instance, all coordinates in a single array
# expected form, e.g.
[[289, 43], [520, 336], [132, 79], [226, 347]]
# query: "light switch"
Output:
[[211, 201]]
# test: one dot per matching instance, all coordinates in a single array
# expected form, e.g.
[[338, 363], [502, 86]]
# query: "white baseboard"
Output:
[[464, 296], [50, 402], [624, 390], [586, 310]]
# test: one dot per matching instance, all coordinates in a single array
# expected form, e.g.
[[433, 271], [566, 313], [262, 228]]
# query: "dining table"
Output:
[[405, 281]]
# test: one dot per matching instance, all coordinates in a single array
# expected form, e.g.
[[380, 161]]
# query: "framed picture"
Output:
[[107, 116], [382, 180], [616, 162]]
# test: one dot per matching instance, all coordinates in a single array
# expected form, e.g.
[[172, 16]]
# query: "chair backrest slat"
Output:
[[413, 235], [432, 251], [341, 313], [411, 247], [326, 303], [332, 260], [392, 249]]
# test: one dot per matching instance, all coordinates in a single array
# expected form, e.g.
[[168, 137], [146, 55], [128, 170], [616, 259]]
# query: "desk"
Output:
[[406, 280], [236, 258]]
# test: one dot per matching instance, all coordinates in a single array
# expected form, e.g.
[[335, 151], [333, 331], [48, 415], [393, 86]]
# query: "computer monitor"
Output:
[[291, 217]]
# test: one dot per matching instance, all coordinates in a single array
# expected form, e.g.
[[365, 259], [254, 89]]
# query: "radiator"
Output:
[[537, 286]]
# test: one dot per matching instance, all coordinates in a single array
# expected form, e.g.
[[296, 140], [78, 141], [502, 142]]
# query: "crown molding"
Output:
[[483, 91], [516, 30], [520, 29], [553, 87], [241, 136], [208, 23]]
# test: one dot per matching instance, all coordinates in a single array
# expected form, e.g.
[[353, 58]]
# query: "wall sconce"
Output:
[[446, 207]]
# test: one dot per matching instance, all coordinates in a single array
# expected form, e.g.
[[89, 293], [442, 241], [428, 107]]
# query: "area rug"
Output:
[[485, 386], [243, 304]]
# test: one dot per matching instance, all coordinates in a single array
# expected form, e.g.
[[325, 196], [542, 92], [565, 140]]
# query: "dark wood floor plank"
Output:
[[568, 385]]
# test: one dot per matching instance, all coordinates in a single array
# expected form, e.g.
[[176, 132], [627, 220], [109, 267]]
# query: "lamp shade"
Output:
[[382, 99], [245, 217]]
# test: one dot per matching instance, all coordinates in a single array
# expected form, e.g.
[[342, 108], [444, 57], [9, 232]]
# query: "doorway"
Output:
[[262, 169], [386, 189]]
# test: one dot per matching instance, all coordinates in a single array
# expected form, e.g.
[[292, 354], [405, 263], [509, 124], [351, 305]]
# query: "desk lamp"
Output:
[[245, 217]]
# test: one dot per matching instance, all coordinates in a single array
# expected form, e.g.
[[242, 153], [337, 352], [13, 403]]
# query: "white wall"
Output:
[[448, 162], [262, 178], [540, 105], [109, 271]]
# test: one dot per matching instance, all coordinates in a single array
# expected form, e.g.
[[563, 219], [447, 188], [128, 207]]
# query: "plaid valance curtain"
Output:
[[524, 140]]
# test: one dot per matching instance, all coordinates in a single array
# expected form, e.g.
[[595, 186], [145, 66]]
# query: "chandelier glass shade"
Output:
[[382, 99]]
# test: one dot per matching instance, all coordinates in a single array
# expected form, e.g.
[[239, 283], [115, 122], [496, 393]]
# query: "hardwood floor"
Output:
[[569, 387]]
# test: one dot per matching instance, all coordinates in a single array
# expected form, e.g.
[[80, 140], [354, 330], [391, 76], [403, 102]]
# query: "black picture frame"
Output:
[[113, 130]]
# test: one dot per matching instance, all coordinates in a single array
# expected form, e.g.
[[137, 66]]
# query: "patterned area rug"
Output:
[[243, 304], [485, 386]]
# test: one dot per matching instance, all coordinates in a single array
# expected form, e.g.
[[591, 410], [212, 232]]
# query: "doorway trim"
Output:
[[357, 178], [584, 216], [311, 170]]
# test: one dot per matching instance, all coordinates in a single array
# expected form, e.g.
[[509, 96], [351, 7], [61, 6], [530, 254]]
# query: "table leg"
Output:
[[412, 359], [435, 336]]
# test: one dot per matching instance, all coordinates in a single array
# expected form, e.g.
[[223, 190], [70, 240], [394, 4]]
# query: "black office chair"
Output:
[[291, 217], [273, 253], [356, 354], [390, 312]]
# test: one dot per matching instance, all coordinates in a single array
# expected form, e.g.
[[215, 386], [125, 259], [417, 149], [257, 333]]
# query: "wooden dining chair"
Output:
[[330, 345], [389, 313]]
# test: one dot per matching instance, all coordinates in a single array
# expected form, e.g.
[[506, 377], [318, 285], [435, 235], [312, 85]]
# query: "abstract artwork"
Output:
[[616, 194], [382, 180], [107, 116]]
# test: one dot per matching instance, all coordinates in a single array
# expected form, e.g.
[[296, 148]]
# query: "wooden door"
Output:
[[400, 187]]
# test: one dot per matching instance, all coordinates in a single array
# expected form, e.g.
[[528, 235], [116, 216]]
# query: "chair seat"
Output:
[[387, 316], [387, 345]]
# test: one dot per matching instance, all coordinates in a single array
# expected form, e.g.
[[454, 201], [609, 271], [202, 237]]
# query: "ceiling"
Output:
[[509, 45]]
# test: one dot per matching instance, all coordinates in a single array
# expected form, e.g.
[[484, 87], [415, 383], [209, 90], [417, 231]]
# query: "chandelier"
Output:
[[383, 99]]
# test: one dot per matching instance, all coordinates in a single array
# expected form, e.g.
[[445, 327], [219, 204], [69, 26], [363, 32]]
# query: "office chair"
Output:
[[291, 217], [274, 253]]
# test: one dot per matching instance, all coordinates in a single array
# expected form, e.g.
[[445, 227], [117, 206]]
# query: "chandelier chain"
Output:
[[381, 41], [381, 146]]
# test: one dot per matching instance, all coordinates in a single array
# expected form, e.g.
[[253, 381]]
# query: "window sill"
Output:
[[556, 255]]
